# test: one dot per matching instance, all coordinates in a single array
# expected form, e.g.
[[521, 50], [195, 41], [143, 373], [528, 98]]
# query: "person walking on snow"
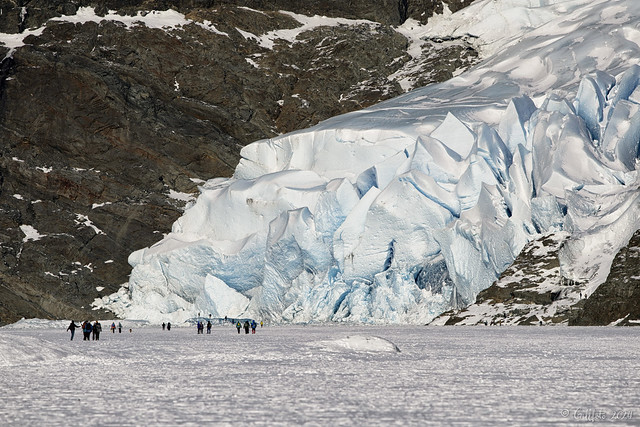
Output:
[[246, 326], [169, 326], [119, 327], [208, 326], [113, 327], [253, 326], [72, 327], [97, 328], [86, 330], [238, 326]]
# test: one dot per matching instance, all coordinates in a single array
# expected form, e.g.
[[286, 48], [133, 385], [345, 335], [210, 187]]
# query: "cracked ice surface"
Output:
[[399, 212]]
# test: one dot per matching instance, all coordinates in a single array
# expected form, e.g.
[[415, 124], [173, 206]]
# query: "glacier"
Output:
[[401, 211]]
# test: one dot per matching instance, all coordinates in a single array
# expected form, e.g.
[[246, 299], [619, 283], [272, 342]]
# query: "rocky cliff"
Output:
[[532, 291], [108, 128], [617, 300]]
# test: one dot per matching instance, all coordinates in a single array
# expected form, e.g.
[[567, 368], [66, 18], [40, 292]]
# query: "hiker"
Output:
[[199, 327], [163, 326], [253, 326], [209, 327], [97, 328], [86, 330], [113, 327], [119, 327], [261, 324], [238, 326], [246, 326], [72, 327], [169, 326]]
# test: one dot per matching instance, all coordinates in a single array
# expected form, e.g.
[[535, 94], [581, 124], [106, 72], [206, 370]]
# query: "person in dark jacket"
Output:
[[97, 328], [208, 326], [253, 326], [86, 330], [246, 326], [238, 326], [72, 327], [169, 326]]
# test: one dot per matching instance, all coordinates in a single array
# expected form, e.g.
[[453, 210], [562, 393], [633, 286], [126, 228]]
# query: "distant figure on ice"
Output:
[[119, 327], [246, 326], [97, 328], [169, 326], [72, 327], [86, 330], [225, 319], [209, 327], [113, 327], [163, 326], [253, 326], [200, 327], [238, 326], [261, 324]]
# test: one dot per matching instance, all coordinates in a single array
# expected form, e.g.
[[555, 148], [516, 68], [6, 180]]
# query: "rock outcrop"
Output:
[[532, 291], [617, 300]]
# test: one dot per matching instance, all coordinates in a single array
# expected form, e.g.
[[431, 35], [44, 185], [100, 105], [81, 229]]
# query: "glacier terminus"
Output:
[[401, 211]]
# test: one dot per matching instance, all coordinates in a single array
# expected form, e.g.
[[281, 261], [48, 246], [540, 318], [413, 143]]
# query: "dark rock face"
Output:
[[618, 298], [19, 15], [101, 124], [530, 291], [533, 291]]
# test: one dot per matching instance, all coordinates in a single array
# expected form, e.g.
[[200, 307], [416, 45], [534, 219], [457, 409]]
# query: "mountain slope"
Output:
[[617, 300], [111, 113]]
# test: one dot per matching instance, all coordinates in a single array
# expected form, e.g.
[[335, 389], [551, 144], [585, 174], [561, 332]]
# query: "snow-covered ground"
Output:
[[321, 375]]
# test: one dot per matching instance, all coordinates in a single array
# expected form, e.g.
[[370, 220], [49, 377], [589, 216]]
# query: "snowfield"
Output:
[[320, 375]]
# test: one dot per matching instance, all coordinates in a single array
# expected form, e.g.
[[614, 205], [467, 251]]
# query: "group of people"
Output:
[[246, 326], [91, 331], [201, 327]]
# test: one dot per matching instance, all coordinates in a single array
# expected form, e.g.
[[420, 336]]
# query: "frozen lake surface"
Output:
[[321, 375]]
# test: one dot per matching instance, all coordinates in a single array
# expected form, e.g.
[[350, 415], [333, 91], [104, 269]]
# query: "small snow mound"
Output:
[[36, 323], [364, 343], [22, 350]]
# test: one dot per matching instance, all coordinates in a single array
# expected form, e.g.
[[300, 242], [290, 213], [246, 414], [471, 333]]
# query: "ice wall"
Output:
[[422, 228], [410, 208]]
